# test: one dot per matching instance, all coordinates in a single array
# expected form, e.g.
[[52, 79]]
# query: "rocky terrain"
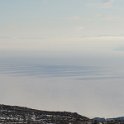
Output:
[[23, 115]]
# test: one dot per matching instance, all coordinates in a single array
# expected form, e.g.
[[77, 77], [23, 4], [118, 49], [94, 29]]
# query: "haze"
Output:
[[64, 55]]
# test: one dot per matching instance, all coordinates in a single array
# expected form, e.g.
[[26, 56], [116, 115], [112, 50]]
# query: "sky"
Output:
[[63, 55]]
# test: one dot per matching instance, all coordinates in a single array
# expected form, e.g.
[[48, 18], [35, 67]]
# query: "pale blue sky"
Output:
[[53, 26], [63, 55], [66, 18]]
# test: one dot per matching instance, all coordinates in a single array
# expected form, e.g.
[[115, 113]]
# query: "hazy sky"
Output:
[[64, 55]]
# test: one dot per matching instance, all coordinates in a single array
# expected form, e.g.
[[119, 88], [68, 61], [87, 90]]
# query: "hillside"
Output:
[[23, 115]]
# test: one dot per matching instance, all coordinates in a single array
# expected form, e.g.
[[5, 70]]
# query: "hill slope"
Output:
[[18, 115]]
